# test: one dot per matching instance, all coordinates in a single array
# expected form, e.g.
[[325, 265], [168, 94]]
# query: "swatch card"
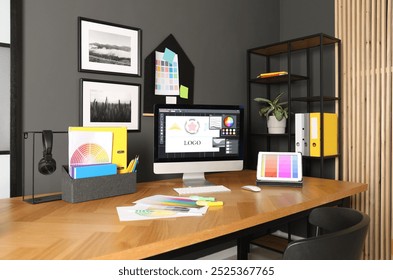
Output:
[[167, 73]]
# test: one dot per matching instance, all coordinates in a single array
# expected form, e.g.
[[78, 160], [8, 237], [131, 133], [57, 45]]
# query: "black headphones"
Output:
[[47, 165]]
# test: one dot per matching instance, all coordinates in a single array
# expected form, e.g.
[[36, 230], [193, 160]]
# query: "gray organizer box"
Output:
[[79, 190]]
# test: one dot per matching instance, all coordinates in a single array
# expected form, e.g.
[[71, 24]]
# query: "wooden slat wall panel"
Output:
[[365, 28]]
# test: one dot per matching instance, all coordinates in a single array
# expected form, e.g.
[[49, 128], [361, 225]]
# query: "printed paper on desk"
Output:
[[148, 212], [89, 147], [166, 200]]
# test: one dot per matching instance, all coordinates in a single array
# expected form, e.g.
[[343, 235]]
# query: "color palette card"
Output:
[[148, 212], [87, 147], [167, 73], [159, 207], [165, 200]]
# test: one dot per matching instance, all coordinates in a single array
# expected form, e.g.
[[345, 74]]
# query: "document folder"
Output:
[[302, 133], [95, 170], [330, 134]]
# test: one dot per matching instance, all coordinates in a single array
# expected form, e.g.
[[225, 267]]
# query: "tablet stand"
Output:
[[279, 183]]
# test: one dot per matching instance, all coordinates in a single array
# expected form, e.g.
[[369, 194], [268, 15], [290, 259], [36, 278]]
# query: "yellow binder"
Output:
[[330, 134], [119, 149]]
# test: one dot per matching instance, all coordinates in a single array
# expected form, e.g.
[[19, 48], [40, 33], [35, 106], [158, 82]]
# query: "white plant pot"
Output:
[[276, 127]]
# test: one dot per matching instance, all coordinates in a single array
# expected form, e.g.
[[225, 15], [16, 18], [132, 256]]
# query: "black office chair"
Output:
[[341, 233]]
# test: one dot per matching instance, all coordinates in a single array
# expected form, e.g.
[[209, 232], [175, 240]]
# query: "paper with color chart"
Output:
[[160, 207], [119, 147], [85, 147], [167, 73]]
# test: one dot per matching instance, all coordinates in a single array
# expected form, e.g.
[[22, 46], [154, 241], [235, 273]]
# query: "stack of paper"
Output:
[[159, 207]]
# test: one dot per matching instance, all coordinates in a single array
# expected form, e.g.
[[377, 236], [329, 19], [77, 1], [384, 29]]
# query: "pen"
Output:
[[130, 165], [135, 163]]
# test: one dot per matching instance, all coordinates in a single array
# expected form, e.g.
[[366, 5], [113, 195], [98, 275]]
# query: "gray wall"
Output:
[[305, 17], [302, 18], [214, 34]]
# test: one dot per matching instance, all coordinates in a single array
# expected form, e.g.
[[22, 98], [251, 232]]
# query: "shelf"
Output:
[[315, 99], [279, 79], [325, 157], [309, 88], [295, 45], [272, 135]]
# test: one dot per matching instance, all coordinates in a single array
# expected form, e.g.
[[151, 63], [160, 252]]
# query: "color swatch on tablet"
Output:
[[280, 167]]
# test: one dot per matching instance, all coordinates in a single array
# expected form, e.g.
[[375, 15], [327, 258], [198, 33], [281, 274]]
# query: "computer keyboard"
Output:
[[199, 190]]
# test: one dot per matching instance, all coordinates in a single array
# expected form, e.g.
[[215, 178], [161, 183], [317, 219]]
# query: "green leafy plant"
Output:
[[272, 107]]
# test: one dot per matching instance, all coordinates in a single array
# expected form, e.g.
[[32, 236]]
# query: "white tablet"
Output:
[[280, 167]]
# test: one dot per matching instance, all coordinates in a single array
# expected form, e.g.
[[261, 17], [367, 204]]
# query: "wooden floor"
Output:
[[256, 253], [271, 242]]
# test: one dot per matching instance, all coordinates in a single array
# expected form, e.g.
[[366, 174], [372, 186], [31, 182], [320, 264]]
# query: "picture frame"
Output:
[[109, 48], [110, 104]]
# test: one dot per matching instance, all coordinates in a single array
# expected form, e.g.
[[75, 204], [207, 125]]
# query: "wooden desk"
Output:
[[92, 230]]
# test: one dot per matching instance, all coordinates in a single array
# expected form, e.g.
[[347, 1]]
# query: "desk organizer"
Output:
[[79, 190]]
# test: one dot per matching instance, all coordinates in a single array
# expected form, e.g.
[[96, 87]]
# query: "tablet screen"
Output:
[[279, 167]]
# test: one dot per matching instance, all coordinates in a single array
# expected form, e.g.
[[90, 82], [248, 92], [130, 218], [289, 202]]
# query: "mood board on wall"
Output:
[[169, 76]]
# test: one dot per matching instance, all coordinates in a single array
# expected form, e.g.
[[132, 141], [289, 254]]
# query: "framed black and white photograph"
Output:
[[105, 103], [109, 48]]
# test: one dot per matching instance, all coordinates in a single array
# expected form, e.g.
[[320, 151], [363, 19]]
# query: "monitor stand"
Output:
[[195, 180]]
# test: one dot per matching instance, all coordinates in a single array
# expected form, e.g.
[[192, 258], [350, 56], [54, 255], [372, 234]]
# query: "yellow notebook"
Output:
[[330, 134], [119, 149]]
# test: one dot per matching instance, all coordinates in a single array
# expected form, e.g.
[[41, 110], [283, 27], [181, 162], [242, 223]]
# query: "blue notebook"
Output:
[[94, 170]]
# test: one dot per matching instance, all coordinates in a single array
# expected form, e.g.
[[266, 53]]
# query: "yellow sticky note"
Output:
[[183, 92]]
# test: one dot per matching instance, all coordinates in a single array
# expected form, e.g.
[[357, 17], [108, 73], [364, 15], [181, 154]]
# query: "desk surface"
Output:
[[92, 230]]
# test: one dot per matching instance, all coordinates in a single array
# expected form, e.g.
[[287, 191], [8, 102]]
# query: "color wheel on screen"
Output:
[[229, 121]]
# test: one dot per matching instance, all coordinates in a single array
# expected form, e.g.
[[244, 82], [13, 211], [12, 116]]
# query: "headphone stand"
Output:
[[36, 198]]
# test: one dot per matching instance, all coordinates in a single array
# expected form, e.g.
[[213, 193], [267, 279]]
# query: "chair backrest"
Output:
[[343, 231]]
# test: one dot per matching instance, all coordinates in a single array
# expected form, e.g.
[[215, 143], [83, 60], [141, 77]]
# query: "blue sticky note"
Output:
[[169, 55]]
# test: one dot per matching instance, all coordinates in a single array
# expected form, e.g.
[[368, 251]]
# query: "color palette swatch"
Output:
[[279, 166], [172, 201], [89, 147], [167, 74], [89, 153], [159, 207]]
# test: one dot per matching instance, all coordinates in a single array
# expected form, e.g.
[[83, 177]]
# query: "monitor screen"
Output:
[[194, 139]]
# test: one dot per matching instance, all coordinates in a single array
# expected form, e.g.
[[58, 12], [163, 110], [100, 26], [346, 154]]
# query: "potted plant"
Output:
[[274, 112]]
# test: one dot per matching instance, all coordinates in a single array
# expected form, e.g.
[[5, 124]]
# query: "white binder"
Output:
[[302, 133]]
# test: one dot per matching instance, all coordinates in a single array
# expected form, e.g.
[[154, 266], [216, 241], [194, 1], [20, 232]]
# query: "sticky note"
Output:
[[170, 100], [183, 92], [169, 55]]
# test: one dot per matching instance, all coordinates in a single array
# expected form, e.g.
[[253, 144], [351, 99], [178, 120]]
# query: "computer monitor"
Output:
[[194, 139]]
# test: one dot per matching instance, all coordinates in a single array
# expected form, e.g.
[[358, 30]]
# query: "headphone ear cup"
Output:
[[47, 165]]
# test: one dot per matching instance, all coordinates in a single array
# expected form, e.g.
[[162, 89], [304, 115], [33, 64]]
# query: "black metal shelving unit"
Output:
[[308, 54]]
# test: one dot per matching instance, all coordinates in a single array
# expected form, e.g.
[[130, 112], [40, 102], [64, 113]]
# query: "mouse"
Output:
[[252, 188]]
